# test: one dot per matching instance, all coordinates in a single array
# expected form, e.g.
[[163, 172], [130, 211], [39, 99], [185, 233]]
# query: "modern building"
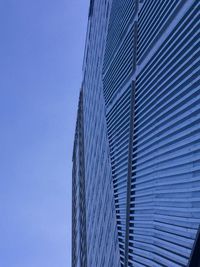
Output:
[[136, 160]]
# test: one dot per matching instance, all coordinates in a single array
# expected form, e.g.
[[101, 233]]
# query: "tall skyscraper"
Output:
[[136, 160]]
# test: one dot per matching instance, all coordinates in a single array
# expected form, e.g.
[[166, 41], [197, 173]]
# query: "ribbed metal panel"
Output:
[[153, 19], [143, 59], [118, 120], [165, 203], [79, 242], [121, 14], [120, 67]]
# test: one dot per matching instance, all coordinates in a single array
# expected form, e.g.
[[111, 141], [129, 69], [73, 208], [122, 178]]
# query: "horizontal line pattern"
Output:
[[153, 18], [165, 200], [118, 120], [120, 68], [122, 13]]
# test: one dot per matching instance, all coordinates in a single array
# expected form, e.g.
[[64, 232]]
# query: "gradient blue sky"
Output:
[[41, 51]]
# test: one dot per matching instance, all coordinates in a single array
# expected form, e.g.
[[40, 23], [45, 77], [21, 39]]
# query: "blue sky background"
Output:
[[41, 52]]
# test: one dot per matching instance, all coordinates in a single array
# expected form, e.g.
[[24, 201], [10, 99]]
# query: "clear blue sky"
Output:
[[41, 52]]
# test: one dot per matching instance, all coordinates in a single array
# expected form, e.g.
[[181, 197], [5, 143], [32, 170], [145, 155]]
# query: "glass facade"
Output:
[[136, 161]]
